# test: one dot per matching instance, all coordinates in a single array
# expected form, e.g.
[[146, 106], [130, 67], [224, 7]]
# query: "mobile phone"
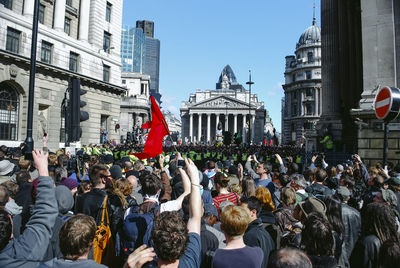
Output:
[[45, 134], [181, 164]]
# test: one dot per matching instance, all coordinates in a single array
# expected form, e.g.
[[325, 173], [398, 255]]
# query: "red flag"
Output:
[[158, 129]]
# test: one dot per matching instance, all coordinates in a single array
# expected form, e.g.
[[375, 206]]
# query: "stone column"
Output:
[[235, 124], [59, 15], [244, 128], [191, 127], [84, 20], [208, 127], [226, 121], [28, 8], [199, 129], [253, 119], [216, 123]]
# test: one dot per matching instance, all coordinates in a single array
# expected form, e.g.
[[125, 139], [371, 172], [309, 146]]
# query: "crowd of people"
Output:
[[196, 206]]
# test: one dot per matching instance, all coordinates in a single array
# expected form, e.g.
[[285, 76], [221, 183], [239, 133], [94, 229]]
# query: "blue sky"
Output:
[[198, 38]]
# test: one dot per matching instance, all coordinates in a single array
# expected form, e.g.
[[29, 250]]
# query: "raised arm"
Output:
[[195, 197]]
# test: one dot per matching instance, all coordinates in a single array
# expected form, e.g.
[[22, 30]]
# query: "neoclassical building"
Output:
[[229, 104], [76, 39], [301, 107]]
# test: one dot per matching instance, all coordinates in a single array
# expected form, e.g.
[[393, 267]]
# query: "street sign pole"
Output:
[[387, 107], [385, 143]]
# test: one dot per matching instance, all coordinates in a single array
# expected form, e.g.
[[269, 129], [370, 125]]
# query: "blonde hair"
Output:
[[235, 188], [52, 159], [264, 195], [288, 196], [234, 220]]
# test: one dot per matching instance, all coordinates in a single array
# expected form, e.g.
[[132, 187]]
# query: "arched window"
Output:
[[9, 115]]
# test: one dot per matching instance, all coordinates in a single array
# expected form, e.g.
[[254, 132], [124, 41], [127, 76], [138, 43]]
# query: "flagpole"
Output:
[[169, 134]]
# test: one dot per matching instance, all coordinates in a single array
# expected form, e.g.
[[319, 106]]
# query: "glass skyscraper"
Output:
[[153, 65], [133, 50]]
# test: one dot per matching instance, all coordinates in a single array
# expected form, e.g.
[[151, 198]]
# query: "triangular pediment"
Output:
[[221, 102]]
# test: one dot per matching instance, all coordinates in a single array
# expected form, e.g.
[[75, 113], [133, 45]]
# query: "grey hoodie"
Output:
[[13, 208]]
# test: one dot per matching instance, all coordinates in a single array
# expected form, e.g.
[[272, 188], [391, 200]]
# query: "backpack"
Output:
[[103, 235], [137, 229]]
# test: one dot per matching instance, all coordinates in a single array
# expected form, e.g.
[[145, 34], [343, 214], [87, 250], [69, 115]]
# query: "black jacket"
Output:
[[366, 252], [322, 261], [257, 236], [319, 190], [209, 244]]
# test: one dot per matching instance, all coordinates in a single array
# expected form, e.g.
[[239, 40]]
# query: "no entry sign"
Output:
[[387, 103]]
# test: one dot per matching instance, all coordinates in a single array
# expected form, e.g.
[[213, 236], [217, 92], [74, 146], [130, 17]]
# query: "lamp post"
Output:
[[249, 83], [29, 143]]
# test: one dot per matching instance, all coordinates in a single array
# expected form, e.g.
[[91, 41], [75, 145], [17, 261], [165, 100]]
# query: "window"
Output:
[[9, 107], [13, 40], [309, 109], [108, 12], [73, 61], [45, 55], [309, 92], [41, 13], [294, 109], [106, 42], [308, 75], [67, 26], [294, 78], [106, 73], [6, 3], [68, 3], [294, 95], [123, 81], [308, 126], [310, 57]]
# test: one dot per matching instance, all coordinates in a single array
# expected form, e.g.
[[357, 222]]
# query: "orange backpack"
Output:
[[103, 236]]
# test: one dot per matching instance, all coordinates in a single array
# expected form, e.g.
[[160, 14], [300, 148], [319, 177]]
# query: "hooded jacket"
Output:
[[29, 249], [257, 236]]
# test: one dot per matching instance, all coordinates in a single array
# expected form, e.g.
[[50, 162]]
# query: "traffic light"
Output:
[[75, 107]]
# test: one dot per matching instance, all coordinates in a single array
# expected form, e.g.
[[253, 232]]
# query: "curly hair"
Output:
[[379, 219], [264, 195], [170, 236]]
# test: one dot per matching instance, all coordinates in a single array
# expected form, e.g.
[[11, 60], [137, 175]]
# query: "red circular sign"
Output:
[[383, 103]]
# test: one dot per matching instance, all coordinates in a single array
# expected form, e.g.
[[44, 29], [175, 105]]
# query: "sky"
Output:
[[198, 38]]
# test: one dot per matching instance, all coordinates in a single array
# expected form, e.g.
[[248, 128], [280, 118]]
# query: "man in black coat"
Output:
[[256, 235]]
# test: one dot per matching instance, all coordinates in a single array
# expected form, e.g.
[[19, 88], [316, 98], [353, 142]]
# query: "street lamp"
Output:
[[249, 83], [29, 143]]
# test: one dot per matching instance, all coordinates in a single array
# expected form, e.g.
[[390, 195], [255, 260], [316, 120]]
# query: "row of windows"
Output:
[[12, 45], [309, 92], [310, 57], [309, 109]]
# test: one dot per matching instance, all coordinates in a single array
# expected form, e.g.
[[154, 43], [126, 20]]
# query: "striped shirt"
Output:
[[231, 197]]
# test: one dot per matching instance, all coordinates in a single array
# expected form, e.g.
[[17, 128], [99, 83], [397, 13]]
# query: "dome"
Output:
[[311, 35]]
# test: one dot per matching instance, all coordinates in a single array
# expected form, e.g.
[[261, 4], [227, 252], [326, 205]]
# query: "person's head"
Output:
[[234, 221], [331, 172], [99, 176], [62, 160], [221, 181], [52, 159], [23, 177], [133, 180], [5, 228], [288, 196], [264, 195], [298, 182], [76, 236], [60, 174], [347, 181], [210, 214], [124, 186], [261, 168], [293, 168], [235, 188], [317, 238], [248, 187], [170, 236], [138, 166], [151, 185], [24, 164], [211, 165], [12, 188], [312, 205], [4, 196], [289, 258], [71, 184], [252, 205], [128, 165], [320, 175], [93, 160], [343, 194], [389, 255], [334, 213], [378, 219], [84, 187], [284, 179]]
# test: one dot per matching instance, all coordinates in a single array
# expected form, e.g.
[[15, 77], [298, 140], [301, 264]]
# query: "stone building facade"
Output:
[[76, 39], [228, 104], [135, 106], [301, 106]]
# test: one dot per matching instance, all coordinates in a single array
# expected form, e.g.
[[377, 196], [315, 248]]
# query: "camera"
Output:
[[180, 164]]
